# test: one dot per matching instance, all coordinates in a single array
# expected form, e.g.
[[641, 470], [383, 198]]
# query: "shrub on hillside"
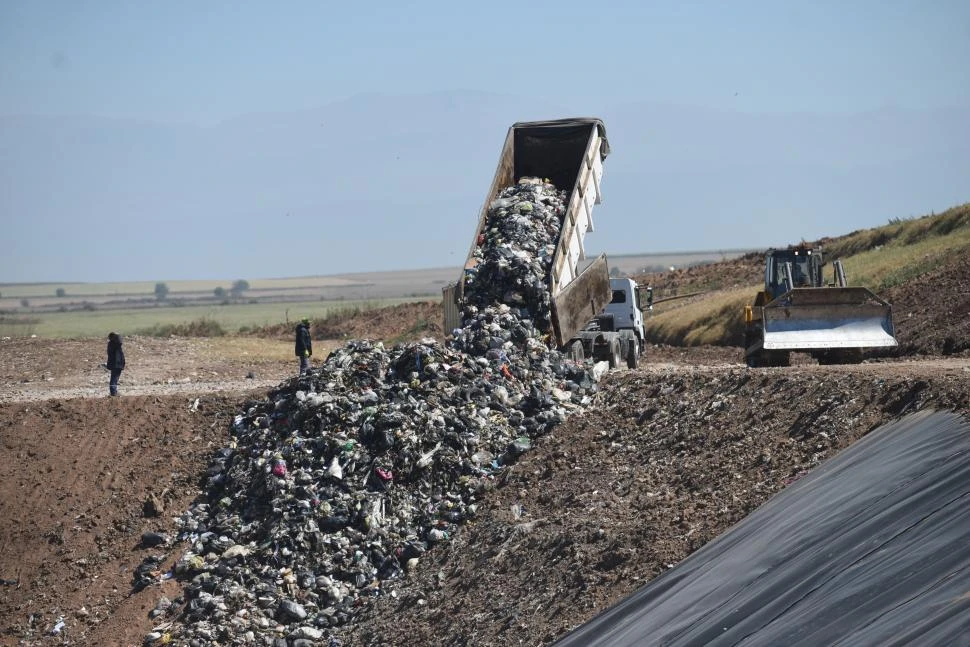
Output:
[[204, 327]]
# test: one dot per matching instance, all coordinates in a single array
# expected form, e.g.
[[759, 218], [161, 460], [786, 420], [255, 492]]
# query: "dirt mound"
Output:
[[74, 479], [932, 312], [731, 273], [666, 461], [403, 322]]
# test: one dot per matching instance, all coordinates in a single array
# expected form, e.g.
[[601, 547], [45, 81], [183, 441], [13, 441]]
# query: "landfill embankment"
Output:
[[667, 457]]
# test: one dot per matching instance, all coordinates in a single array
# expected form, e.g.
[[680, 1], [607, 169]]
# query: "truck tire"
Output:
[[576, 352], [615, 356], [633, 353]]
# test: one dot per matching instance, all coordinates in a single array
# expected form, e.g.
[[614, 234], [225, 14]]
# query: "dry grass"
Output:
[[889, 266], [261, 349], [901, 233], [714, 318]]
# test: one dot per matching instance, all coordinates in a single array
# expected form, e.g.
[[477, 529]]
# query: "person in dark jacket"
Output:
[[116, 361], [304, 345]]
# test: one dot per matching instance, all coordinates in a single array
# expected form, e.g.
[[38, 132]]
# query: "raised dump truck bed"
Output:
[[569, 153]]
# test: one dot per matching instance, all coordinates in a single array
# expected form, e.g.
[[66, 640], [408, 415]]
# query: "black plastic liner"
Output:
[[871, 548]]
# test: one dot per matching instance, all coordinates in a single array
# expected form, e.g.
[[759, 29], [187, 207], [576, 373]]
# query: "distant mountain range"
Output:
[[384, 182]]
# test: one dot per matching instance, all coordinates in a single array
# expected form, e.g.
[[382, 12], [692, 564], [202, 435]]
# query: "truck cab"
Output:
[[616, 333], [626, 306]]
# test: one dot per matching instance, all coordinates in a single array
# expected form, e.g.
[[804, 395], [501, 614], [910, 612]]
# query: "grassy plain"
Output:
[[231, 317], [136, 289]]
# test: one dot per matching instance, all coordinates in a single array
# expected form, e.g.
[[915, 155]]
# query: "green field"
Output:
[[231, 317], [147, 288]]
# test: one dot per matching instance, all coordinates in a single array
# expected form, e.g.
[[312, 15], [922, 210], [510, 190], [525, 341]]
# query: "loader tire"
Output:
[[844, 356], [765, 358], [853, 356], [757, 358], [576, 352]]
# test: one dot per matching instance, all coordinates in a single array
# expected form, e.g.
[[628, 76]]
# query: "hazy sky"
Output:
[[201, 62], [204, 64]]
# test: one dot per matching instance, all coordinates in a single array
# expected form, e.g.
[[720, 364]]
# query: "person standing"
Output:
[[304, 345], [116, 361]]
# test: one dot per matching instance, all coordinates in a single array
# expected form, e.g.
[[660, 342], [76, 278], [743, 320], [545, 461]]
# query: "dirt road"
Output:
[[42, 369]]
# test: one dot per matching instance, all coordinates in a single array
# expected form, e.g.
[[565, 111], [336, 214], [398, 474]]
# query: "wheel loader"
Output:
[[798, 312]]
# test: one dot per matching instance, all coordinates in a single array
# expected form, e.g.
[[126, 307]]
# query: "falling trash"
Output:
[[340, 480]]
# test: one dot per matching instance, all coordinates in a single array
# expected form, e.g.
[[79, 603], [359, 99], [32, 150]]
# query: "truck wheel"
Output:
[[615, 354], [576, 351], [633, 354]]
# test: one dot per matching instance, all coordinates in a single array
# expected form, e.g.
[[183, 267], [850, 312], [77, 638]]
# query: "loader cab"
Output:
[[795, 267]]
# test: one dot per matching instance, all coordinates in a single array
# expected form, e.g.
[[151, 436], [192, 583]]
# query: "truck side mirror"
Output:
[[645, 298]]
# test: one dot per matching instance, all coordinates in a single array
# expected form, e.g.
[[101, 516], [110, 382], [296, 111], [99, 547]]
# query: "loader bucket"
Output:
[[807, 319]]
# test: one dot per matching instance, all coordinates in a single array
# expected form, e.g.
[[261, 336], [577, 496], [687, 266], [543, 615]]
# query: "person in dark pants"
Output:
[[304, 345], [116, 361]]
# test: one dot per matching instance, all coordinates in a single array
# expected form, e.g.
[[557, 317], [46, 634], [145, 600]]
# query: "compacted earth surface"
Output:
[[665, 458]]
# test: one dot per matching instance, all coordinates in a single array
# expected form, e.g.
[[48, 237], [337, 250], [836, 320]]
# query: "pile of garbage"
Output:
[[339, 482]]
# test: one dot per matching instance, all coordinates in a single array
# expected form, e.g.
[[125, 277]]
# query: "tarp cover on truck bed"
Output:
[[550, 149], [871, 548]]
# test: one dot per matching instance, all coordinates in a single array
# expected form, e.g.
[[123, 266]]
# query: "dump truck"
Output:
[[797, 311], [592, 315]]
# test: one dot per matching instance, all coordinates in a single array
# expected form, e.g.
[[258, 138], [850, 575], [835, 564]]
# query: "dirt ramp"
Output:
[[75, 476], [869, 549]]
